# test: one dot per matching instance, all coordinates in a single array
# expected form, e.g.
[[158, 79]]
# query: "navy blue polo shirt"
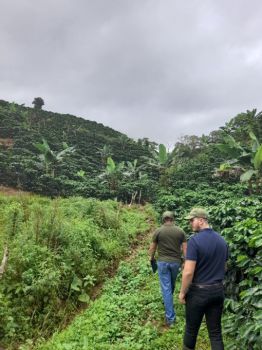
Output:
[[210, 252]]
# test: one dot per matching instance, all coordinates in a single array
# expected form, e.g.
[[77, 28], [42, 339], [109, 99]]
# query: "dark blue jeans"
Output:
[[199, 302]]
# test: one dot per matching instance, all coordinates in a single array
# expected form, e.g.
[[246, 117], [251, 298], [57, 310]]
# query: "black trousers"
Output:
[[199, 302]]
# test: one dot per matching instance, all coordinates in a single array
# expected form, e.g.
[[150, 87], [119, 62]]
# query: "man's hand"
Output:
[[182, 298]]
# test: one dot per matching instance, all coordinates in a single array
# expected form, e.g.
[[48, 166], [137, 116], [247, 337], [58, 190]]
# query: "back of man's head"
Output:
[[168, 216]]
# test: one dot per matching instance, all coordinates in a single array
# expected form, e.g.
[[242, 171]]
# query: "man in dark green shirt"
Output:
[[169, 241]]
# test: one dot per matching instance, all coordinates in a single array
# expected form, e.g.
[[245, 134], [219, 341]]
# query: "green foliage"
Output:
[[22, 128], [241, 224], [128, 315], [244, 286], [239, 219], [182, 200], [258, 159], [248, 159], [49, 158], [59, 249], [241, 125], [192, 161]]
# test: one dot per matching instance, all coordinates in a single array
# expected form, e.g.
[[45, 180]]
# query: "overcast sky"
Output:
[[148, 68]]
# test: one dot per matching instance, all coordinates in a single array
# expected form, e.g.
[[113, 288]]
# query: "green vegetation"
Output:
[[128, 315], [60, 155], [59, 249], [239, 219]]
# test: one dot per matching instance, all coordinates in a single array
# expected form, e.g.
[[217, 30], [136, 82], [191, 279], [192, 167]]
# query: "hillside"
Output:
[[21, 128], [63, 155]]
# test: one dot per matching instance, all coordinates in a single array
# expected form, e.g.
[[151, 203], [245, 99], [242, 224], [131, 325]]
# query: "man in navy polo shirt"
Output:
[[202, 281]]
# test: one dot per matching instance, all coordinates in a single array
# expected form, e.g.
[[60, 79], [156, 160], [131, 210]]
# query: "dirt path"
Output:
[[139, 241], [9, 191]]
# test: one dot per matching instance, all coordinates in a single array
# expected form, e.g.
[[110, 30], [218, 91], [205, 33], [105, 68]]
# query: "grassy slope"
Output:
[[52, 243], [128, 315]]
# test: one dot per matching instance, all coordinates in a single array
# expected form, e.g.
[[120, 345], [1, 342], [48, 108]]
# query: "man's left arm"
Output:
[[187, 277], [184, 249]]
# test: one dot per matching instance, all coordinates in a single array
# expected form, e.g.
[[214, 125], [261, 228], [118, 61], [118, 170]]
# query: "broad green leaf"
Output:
[[255, 242], [81, 173], [40, 147], [255, 144], [111, 166], [61, 154], [76, 284], [247, 175], [242, 258], [225, 166], [228, 150], [232, 142], [258, 158], [120, 166], [256, 270], [84, 298], [162, 154]]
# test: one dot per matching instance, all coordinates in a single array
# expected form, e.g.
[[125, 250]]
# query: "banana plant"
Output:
[[112, 173], [134, 174], [256, 170], [105, 152], [247, 161], [255, 166], [49, 158], [132, 169], [160, 159]]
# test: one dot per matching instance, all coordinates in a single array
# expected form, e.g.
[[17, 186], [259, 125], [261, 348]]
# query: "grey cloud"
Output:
[[135, 65]]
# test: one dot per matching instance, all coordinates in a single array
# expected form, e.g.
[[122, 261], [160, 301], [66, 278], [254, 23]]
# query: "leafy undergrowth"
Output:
[[59, 251], [129, 315]]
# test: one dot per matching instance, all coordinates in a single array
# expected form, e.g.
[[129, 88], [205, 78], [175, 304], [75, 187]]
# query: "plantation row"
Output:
[[62, 155], [58, 251], [239, 219]]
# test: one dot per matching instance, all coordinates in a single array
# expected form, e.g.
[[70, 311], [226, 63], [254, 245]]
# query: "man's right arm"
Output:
[[153, 246], [187, 277], [152, 250], [189, 269]]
